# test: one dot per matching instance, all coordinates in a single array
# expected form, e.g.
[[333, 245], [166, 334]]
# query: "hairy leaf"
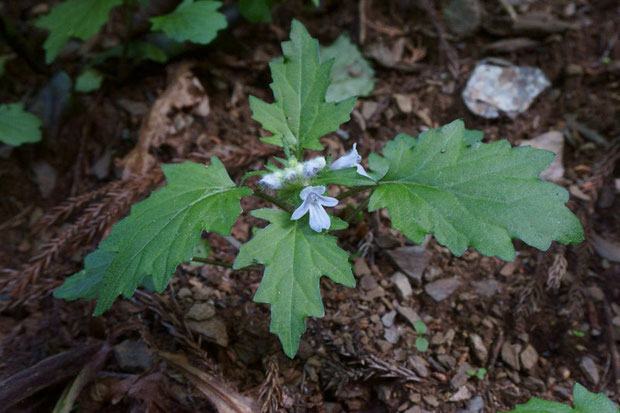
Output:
[[352, 75], [300, 116], [197, 21], [481, 196], [588, 402], [295, 257], [535, 405], [81, 19], [18, 126], [161, 231], [88, 81], [87, 284], [345, 177]]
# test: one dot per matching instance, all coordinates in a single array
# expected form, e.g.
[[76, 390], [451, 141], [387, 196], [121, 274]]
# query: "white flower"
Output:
[[313, 166], [272, 181], [314, 202], [349, 161]]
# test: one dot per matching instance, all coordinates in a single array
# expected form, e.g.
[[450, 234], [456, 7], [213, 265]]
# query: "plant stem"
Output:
[[273, 200], [361, 206], [354, 191], [128, 6]]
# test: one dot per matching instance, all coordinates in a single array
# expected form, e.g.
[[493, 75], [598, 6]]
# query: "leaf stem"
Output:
[[361, 206], [354, 191], [274, 200]]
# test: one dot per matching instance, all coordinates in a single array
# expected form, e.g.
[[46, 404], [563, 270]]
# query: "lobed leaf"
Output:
[[88, 81], [300, 115], [588, 402], [295, 258], [197, 21], [18, 126], [481, 195], [80, 19]]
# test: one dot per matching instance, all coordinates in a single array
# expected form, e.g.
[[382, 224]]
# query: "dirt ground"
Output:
[[536, 325]]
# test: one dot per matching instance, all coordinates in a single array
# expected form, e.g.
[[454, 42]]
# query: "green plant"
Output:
[[480, 373], [585, 402], [421, 343], [444, 182], [18, 126]]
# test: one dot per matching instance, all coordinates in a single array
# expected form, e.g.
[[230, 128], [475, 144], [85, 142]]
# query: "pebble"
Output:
[[529, 357], [475, 405], [441, 289], [595, 293], [563, 392], [184, 292], [431, 400], [508, 269], [133, 354], [403, 287], [486, 288], [360, 267], [410, 260], [460, 378], [213, 330], [447, 361], [510, 355], [388, 318], [418, 365], [392, 334], [534, 384], [462, 394], [589, 369], [368, 282], [564, 373], [374, 294], [408, 313], [478, 347], [200, 312]]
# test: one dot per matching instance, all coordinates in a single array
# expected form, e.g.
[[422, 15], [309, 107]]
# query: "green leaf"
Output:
[[87, 284], [18, 126], [81, 19], [351, 75], [300, 116], [588, 402], [420, 327], [295, 257], [256, 11], [345, 177], [479, 196], [473, 136], [137, 51], [535, 405], [196, 21], [88, 81], [421, 344], [161, 231]]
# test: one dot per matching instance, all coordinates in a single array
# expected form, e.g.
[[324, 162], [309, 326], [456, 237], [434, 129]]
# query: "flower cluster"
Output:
[[294, 170]]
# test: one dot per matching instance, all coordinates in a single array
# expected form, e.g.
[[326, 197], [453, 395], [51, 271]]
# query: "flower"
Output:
[[313, 166], [272, 181], [314, 201], [349, 161]]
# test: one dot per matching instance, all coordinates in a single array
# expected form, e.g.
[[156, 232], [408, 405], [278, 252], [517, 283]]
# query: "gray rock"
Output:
[[45, 177], [418, 365], [447, 361], [213, 330], [388, 318], [411, 260], [373, 294], [590, 369], [133, 354], [408, 313], [475, 405], [460, 378], [463, 16], [432, 273], [368, 282], [478, 347], [200, 312], [510, 355], [431, 400], [529, 357], [403, 288], [534, 384], [392, 334], [595, 293], [461, 394], [441, 289], [486, 288]]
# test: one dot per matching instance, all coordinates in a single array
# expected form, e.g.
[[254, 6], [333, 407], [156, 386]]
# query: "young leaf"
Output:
[[161, 231], [421, 344], [352, 75], [197, 21], [256, 11], [87, 284], [420, 327], [73, 18], [300, 116], [479, 196], [18, 126], [295, 257], [588, 402], [88, 81]]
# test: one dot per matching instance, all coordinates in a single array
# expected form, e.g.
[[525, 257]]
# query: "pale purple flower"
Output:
[[349, 161], [313, 202], [272, 181], [313, 166]]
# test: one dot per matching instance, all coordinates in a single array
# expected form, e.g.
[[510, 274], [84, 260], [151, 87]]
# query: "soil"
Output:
[[536, 325]]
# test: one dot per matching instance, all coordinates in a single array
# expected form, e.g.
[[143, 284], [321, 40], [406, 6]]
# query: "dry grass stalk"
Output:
[[270, 392], [557, 271]]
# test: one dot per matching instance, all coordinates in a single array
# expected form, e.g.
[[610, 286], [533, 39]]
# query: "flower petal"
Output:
[[362, 171], [271, 181], [319, 220], [347, 161], [319, 190], [301, 211], [327, 201]]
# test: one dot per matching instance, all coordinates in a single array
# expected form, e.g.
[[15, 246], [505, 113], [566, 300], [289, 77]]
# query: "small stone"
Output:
[[432, 273], [418, 365], [392, 334], [403, 288], [562, 391], [431, 400], [184, 292], [508, 269], [374, 294], [589, 369], [447, 361], [616, 321], [534, 384], [462, 394], [573, 70], [475, 405], [564, 373], [368, 282], [361, 268], [404, 102], [486, 288], [133, 354], [438, 339], [200, 312], [384, 346], [410, 260], [213, 330], [463, 16], [441, 289], [595, 293], [408, 313], [461, 376], [369, 108], [529, 357], [478, 347], [388, 318], [510, 355]]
